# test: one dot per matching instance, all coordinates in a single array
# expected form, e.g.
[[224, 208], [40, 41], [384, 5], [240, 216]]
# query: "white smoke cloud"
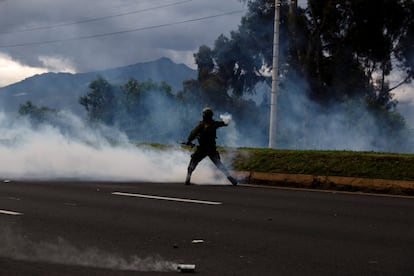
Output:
[[72, 149], [17, 246], [226, 118], [349, 125], [231, 135]]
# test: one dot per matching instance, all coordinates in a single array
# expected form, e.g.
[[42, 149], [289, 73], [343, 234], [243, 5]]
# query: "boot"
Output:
[[187, 179], [232, 180]]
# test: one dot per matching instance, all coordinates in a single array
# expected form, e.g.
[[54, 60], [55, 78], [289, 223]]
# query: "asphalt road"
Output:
[[98, 228]]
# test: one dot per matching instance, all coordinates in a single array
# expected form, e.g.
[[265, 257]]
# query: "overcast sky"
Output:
[[38, 36]]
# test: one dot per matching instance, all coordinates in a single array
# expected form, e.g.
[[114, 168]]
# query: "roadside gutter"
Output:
[[354, 184]]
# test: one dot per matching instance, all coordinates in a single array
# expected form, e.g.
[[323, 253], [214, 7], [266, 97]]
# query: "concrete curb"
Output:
[[386, 186]]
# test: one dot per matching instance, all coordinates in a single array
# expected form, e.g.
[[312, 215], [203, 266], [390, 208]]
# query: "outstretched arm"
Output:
[[221, 124]]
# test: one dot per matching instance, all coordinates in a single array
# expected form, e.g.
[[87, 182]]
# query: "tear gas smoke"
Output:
[[226, 118], [231, 135], [69, 148], [17, 246], [350, 125]]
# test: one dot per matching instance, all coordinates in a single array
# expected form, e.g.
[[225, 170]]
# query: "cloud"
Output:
[[57, 64], [30, 23], [12, 71]]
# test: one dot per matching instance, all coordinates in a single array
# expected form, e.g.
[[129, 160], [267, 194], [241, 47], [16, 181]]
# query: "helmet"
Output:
[[207, 113]]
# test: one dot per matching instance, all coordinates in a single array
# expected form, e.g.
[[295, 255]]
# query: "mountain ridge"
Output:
[[62, 90]]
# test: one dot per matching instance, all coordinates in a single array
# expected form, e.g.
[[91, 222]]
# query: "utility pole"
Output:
[[275, 69]]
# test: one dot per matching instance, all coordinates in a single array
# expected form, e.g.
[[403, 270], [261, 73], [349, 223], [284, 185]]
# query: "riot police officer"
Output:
[[205, 132]]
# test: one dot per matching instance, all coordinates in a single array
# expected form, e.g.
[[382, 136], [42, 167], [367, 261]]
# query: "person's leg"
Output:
[[215, 157], [196, 157]]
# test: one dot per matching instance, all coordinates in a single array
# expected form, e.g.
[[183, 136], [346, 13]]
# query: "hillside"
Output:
[[62, 90]]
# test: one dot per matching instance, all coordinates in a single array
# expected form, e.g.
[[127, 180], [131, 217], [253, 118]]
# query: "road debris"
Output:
[[197, 241], [186, 268]]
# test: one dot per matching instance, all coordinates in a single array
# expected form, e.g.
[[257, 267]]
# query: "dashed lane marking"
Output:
[[12, 213], [168, 198]]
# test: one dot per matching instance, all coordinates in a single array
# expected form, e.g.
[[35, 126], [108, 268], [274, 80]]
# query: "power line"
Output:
[[86, 12], [95, 19], [121, 32]]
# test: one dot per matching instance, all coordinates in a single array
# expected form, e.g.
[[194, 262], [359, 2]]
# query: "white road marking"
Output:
[[168, 198], [5, 212], [13, 198]]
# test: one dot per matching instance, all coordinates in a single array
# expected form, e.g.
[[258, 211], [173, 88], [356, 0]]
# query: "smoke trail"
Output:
[[69, 148], [231, 135], [226, 118], [17, 246]]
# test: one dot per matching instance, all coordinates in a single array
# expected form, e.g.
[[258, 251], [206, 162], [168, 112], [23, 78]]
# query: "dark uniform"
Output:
[[205, 132]]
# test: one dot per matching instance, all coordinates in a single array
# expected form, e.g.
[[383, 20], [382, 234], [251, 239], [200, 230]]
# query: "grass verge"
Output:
[[373, 172], [369, 172], [324, 163]]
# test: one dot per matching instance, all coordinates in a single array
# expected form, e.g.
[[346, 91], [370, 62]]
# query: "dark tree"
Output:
[[36, 114], [100, 101]]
